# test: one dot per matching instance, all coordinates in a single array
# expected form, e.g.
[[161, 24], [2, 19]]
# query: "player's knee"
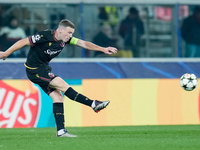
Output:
[[56, 96]]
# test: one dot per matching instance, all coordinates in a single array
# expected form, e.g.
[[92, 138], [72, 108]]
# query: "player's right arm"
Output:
[[18, 45]]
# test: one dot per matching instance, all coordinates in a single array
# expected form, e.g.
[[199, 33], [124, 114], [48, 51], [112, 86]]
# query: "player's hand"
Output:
[[110, 50], [2, 55]]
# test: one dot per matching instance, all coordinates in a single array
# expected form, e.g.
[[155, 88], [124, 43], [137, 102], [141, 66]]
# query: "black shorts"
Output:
[[41, 76]]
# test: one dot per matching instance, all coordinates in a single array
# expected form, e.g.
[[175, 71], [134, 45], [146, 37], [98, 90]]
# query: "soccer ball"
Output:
[[188, 81]]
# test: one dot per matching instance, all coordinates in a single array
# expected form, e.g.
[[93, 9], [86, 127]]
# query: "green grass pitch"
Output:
[[185, 137]]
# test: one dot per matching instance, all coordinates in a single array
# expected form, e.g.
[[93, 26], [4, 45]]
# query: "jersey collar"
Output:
[[55, 36]]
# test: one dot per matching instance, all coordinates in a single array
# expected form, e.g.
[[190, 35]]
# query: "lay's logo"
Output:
[[19, 104]]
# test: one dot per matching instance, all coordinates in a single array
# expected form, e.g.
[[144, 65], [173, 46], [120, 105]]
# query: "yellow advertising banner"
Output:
[[134, 102]]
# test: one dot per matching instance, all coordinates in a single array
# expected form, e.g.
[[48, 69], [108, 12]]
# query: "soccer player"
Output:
[[44, 46]]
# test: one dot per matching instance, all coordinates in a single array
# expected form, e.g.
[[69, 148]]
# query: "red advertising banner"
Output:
[[19, 104]]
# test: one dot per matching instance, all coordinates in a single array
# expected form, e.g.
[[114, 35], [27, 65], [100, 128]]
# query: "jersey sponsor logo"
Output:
[[35, 38], [51, 52], [19, 106]]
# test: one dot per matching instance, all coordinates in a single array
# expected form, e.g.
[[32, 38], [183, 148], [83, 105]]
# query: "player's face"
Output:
[[66, 34]]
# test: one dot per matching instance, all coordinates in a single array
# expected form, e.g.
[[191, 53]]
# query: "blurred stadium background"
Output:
[[143, 90], [161, 21]]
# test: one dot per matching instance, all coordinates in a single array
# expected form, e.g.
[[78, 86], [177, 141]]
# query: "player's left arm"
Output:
[[91, 46]]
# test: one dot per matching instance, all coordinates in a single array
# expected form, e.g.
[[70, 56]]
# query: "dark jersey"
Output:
[[44, 47]]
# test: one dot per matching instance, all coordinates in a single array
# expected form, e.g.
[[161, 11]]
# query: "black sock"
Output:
[[58, 112], [73, 95]]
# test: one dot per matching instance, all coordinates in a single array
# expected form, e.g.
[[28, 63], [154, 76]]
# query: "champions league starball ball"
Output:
[[188, 81]]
